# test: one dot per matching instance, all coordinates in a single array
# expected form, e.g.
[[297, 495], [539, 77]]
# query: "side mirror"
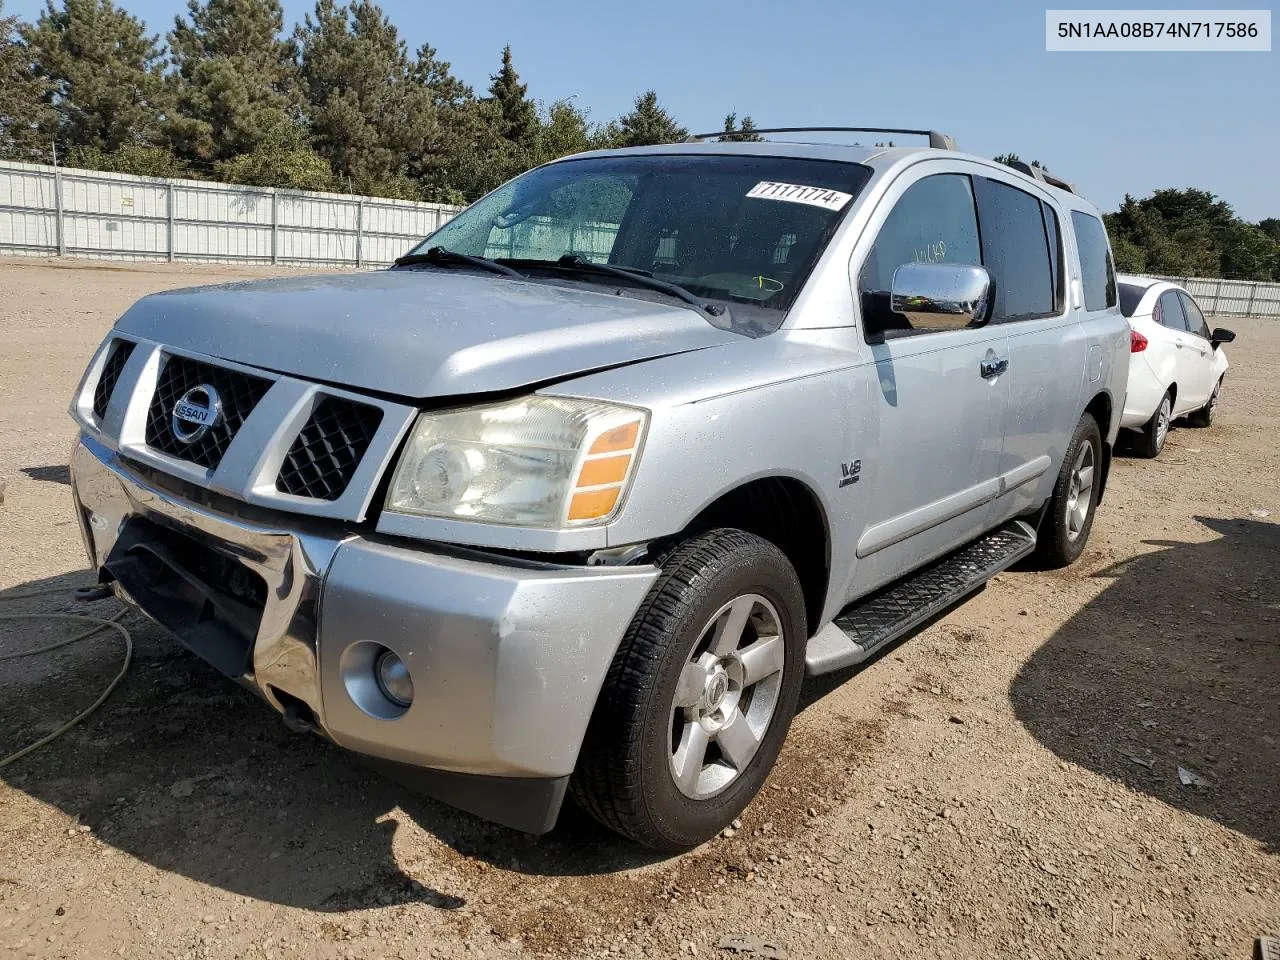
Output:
[[1220, 336], [940, 296]]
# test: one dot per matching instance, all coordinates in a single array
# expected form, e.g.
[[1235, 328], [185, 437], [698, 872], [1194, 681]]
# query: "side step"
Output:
[[860, 628]]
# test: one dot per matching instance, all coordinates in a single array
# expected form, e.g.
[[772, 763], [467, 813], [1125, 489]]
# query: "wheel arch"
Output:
[[787, 512], [1100, 408]]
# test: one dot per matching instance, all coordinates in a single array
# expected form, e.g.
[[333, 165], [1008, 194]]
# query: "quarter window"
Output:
[[1015, 250], [934, 221], [1097, 270]]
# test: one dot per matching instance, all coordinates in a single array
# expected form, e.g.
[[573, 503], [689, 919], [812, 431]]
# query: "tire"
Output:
[[1204, 416], [665, 679], [1064, 532], [1150, 441]]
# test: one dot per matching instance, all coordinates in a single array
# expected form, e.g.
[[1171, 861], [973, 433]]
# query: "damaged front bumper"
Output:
[[506, 657]]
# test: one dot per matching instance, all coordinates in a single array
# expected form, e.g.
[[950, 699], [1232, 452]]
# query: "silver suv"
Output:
[[574, 497]]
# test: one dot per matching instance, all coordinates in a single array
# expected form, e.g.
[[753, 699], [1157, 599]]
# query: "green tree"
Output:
[[647, 123], [519, 113], [746, 133], [27, 121], [369, 118], [1271, 227], [1009, 159], [282, 157], [236, 78], [1193, 233], [105, 73], [134, 158], [565, 130]]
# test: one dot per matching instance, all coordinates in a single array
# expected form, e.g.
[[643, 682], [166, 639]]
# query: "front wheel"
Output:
[[1204, 416], [700, 694], [1066, 526]]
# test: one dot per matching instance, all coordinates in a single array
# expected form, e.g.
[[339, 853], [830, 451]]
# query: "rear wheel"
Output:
[[1204, 416], [1069, 519], [1150, 441], [700, 694]]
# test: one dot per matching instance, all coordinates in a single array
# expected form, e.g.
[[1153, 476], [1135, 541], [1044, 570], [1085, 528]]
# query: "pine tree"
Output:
[[27, 121], [519, 115], [742, 134], [647, 123], [105, 71], [368, 117], [236, 78]]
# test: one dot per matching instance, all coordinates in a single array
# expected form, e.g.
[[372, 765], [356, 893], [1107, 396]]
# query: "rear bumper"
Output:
[[506, 660]]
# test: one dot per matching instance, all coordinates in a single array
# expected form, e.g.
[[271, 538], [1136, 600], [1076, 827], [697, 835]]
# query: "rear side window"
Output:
[[1168, 312], [1096, 268], [934, 221], [1015, 251]]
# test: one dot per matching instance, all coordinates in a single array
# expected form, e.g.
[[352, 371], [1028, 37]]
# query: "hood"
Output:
[[419, 333]]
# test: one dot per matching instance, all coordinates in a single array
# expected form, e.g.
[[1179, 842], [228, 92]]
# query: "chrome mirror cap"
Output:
[[940, 296]]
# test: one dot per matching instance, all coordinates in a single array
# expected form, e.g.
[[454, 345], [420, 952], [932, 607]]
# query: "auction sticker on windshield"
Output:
[[798, 193]]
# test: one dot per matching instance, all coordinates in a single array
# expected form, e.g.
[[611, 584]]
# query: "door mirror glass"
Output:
[[940, 296], [1222, 335]]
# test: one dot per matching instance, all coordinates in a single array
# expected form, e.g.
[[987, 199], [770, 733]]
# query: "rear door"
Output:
[[1022, 249], [929, 472]]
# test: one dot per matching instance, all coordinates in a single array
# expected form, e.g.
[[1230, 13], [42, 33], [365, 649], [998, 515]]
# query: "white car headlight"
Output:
[[533, 462]]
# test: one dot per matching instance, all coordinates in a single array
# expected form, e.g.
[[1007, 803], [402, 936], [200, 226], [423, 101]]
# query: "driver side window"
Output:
[[934, 221]]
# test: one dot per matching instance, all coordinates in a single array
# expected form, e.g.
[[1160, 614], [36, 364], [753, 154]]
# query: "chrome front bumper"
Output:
[[506, 659]]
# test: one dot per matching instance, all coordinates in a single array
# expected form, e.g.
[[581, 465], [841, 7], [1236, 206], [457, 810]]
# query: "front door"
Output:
[[1198, 353], [935, 423]]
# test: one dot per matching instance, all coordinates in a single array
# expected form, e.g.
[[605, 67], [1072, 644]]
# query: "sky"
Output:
[[1112, 123]]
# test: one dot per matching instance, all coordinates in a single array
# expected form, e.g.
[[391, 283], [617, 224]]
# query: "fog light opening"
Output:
[[393, 678]]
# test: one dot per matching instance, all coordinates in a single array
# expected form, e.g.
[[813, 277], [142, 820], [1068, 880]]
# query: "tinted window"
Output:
[[1015, 251], [1195, 319], [1168, 312], [1096, 269], [933, 222], [1054, 232], [1130, 297]]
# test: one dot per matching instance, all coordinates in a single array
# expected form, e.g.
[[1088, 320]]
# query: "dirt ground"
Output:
[[1003, 784]]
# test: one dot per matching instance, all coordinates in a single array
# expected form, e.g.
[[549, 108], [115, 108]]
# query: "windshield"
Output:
[[1130, 297], [741, 230]]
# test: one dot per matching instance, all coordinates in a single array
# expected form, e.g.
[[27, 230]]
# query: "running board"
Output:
[[862, 627]]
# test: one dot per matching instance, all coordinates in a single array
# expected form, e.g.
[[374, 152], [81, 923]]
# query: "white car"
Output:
[[1176, 364]]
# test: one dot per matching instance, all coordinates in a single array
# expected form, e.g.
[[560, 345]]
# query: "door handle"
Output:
[[1178, 343], [993, 367]]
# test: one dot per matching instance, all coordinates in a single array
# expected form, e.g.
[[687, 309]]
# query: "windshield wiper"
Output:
[[573, 262], [441, 256]]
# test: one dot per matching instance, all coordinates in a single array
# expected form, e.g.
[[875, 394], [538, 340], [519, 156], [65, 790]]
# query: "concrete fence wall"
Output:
[[58, 211]]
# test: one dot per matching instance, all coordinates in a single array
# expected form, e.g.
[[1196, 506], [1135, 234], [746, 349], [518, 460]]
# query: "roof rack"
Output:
[[939, 141], [1041, 174]]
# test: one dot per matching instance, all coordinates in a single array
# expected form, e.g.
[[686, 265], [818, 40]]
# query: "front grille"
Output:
[[326, 452], [239, 393], [111, 370]]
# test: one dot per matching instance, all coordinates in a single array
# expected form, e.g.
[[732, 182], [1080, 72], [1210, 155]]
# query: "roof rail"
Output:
[[939, 141], [1041, 174]]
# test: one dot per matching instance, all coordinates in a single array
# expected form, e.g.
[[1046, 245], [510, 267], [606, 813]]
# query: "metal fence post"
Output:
[[1217, 298], [275, 225], [360, 233], [173, 233], [1253, 292], [57, 209]]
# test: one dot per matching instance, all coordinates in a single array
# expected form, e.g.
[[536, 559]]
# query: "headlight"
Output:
[[533, 462]]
